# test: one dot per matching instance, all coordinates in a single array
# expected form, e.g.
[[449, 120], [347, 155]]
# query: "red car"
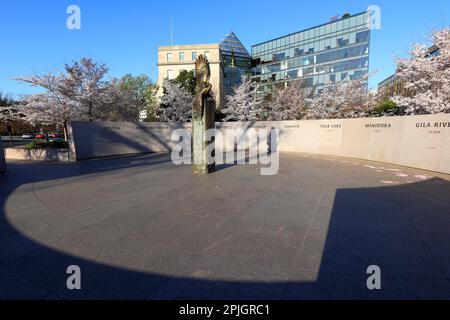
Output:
[[40, 136], [53, 135]]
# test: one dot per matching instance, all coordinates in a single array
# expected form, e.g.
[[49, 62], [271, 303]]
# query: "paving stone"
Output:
[[141, 228]]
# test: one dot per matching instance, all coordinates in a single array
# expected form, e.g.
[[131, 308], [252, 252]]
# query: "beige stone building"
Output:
[[173, 59]]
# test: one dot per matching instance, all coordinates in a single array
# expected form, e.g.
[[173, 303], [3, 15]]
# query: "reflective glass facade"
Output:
[[321, 56], [236, 60]]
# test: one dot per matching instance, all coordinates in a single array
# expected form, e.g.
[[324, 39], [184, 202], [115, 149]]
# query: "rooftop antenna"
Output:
[[171, 31]]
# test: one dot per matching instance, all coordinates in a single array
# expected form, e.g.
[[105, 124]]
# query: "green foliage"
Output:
[[386, 107], [346, 15], [187, 80], [43, 144], [152, 117], [143, 91]]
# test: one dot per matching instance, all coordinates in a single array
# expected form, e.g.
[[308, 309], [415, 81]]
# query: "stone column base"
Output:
[[203, 169], [202, 161]]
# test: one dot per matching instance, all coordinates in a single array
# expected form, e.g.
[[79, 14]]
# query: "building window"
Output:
[[194, 56], [170, 74], [341, 42], [169, 57], [207, 55], [181, 56], [298, 52], [321, 56], [362, 36]]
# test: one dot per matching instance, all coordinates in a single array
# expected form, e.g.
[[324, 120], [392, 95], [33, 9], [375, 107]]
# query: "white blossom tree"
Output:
[[80, 92], [8, 110], [82, 83], [176, 103], [47, 110], [69, 95], [8, 113], [11, 115], [426, 77], [346, 99], [291, 103], [243, 104]]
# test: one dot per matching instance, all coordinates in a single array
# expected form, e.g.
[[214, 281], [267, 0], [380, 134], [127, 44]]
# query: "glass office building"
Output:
[[237, 62], [321, 56]]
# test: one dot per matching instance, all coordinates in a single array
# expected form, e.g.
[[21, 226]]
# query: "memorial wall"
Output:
[[414, 141], [103, 139]]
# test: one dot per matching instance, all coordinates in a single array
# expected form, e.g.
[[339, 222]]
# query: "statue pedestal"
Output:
[[203, 149]]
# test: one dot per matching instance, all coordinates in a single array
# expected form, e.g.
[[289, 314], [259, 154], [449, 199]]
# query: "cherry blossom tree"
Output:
[[10, 115], [69, 95], [8, 111], [80, 92], [82, 83], [243, 104], [291, 103], [426, 77], [47, 110], [346, 99], [176, 103]]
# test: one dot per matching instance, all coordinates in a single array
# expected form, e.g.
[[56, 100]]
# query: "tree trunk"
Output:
[[65, 130], [90, 111]]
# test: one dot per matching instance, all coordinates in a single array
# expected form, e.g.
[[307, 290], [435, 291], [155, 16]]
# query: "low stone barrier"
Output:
[[104, 139], [37, 154], [415, 141]]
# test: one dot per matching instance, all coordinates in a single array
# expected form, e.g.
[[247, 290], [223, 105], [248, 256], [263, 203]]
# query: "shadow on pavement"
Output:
[[403, 229]]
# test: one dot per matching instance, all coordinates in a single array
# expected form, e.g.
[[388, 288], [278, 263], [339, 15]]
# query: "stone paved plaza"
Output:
[[140, 227]]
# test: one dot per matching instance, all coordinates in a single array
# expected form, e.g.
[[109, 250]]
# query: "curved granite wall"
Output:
[[414, 141]]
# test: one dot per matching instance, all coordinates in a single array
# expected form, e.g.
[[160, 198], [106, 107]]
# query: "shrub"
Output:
[[38, 144], [386, 108]]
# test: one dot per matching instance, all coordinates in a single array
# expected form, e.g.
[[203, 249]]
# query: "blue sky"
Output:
[[126, 34]]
